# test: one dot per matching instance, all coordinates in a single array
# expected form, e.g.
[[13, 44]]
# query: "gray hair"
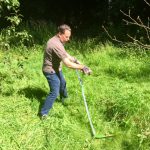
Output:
[[63, 27]]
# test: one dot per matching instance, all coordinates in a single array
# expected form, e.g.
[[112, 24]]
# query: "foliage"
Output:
[[9, 10], [117, 93], [84, 18], [10, 5], [40, 31], [9, 35]]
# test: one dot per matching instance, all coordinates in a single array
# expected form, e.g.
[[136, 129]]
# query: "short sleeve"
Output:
[[60, 51]]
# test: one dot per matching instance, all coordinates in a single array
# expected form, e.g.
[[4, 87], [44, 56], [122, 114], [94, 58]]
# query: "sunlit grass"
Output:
[[117, 92]]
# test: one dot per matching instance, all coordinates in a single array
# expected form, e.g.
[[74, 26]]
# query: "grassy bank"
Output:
[[118, 96]]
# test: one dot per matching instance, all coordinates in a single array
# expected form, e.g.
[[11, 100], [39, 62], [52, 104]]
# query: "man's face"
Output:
[[64, 37]]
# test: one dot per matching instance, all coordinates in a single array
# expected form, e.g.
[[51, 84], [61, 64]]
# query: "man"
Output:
[[54, 54]]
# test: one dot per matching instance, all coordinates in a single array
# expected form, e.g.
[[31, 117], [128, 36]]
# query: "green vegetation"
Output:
[[117, 93], [118, 96]]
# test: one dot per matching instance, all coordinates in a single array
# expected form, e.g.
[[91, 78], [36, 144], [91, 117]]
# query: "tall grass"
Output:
[[117, 93]]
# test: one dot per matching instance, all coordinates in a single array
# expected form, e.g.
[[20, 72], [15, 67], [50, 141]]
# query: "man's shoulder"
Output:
[[54, 42], [54, 39]]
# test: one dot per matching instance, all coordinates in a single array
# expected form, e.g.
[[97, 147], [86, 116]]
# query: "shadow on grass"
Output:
[[130, 144], [34, 93]]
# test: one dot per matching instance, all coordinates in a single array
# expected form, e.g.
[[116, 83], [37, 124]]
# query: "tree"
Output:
[[9, 10], [141, 37]]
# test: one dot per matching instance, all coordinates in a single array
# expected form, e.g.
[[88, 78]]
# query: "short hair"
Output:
[[63, 27]]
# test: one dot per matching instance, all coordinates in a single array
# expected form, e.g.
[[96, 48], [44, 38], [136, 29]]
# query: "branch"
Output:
[[146, 28], [137, 42], [139, 23], [112, 38], [134, 22], [147, 2]]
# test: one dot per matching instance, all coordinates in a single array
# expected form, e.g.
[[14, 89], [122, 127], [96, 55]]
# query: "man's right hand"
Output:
[[86, 70]]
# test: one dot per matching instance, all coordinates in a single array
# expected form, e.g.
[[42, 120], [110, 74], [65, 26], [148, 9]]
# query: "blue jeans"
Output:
[[57, 86]]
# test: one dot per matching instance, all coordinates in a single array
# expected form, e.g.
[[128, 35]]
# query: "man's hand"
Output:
[[86, 70]]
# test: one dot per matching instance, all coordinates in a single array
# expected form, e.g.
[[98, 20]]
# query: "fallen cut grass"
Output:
[[117, 93]]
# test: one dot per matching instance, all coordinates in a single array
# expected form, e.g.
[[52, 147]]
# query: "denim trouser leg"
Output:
[[54, 84], [57, 86], [63, 89]]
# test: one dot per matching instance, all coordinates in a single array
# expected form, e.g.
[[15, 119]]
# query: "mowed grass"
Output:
[[117, 93]]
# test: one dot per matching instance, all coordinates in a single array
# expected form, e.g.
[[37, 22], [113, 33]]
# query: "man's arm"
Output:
[[73, 59], [70, 63], [75, 65]]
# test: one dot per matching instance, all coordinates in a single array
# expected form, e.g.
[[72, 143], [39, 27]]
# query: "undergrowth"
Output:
[[117, 93]]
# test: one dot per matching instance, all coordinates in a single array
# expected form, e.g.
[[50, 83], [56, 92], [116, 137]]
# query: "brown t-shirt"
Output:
[[53, 55]]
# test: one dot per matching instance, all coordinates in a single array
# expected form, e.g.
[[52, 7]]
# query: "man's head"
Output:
[[64, 33]]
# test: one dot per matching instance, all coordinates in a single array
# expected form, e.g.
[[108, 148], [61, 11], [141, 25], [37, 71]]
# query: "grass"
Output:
[[117, 93]]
